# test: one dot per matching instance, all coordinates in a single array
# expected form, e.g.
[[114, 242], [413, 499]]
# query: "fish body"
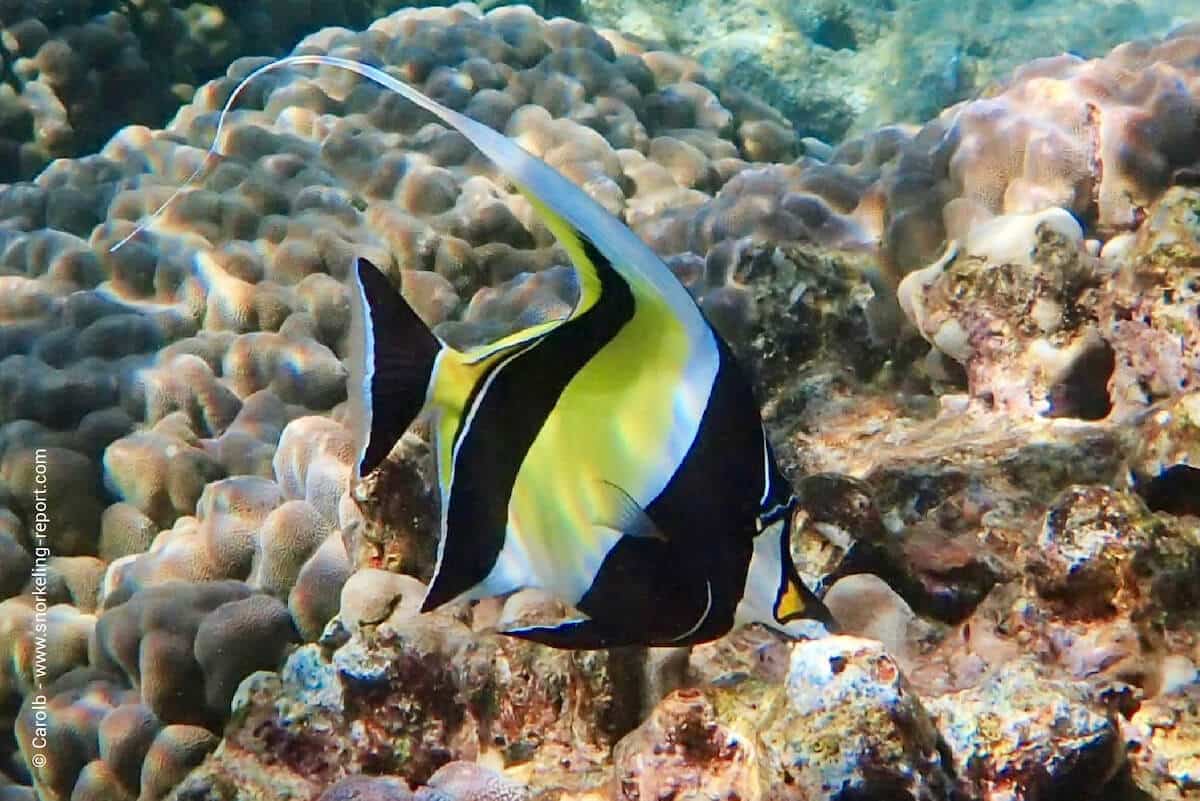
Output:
[[615, 457]]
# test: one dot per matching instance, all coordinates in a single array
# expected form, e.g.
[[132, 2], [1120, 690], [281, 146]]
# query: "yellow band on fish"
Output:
[[791, 603]]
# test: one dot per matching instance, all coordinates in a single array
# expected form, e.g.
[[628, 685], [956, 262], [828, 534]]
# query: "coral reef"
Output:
[[77, 71], [835, 67], [81, 70], [408, 694], [186, 390], [1022, 733], [976, 344], [104, 743], [1101, 138]]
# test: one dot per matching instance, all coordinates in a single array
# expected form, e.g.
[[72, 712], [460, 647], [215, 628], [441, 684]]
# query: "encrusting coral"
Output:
[[1021, 491]]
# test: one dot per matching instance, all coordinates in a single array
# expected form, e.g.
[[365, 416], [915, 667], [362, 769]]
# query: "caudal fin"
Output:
[[391, 364]]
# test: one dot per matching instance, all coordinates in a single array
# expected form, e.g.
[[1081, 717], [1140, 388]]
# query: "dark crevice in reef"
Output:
[[1175, 491], [835, 34], [1122, 787], [564, 8], [1083, 391]]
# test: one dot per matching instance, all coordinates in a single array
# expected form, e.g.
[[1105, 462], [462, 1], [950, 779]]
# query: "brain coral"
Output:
[[70, 722], [162, 670]]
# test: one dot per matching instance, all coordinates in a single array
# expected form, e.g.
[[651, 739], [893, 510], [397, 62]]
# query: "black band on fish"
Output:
[[645, 589], [508, 415]]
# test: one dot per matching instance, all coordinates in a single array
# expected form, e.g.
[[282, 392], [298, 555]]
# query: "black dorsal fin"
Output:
[[392, 365]]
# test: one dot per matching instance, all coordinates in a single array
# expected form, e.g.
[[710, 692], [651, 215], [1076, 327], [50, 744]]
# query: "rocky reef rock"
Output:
[[1007, 308], [834, 66], [1021, 734], [843, 721], [407, 695], [1148, 310], [1042, 323], [1162, 741]]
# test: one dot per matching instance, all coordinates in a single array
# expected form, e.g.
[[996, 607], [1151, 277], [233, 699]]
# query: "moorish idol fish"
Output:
[[615, 457]]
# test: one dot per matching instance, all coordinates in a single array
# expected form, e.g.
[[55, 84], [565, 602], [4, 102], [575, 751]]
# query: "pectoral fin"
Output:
[[620, 512]]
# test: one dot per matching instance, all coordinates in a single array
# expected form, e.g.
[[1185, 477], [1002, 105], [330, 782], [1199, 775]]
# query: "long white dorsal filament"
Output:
[[365, 70], [620, 245]]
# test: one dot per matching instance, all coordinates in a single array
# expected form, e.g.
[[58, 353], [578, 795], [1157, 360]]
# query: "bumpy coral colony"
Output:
[[976, 342]]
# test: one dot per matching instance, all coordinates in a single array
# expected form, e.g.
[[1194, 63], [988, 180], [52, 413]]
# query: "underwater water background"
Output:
[[955, 248]]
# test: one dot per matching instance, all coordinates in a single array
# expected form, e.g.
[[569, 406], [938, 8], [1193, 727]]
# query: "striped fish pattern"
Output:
[[615, 458]]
